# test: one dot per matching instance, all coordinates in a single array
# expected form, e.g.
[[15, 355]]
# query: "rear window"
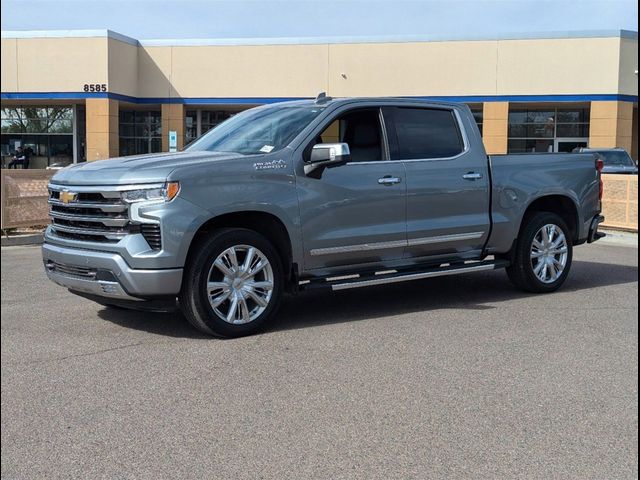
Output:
[[617, 159], [426, 133]]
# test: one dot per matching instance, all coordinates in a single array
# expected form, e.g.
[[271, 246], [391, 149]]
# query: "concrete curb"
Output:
[[17, 240], [618, 237]]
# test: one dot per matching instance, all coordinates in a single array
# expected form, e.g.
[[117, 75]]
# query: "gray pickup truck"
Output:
[[331, 193]]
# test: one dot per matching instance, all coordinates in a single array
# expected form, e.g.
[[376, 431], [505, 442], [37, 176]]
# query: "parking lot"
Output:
[[457, 377]]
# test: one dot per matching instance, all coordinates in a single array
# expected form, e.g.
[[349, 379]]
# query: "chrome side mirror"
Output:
[[327, 155]]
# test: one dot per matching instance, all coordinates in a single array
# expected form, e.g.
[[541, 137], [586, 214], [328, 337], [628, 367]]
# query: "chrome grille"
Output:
[[89, 213]]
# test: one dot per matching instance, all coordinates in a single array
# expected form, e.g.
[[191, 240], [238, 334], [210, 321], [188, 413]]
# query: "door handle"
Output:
[[389, 180], [472, 176]]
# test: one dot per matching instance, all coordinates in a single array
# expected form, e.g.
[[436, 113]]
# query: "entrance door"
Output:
[[566, 145]]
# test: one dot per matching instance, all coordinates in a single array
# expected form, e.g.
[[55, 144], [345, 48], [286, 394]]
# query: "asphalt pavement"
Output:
[[456, 377]]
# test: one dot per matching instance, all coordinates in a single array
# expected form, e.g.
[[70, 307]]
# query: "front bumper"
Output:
[[107, 274]]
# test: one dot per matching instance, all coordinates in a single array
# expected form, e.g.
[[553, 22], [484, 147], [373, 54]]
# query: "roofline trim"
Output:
[[264, 100], [178, 42]]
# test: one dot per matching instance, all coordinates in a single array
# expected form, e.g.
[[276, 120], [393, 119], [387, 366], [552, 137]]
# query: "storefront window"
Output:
[[140, 132], [547, 129], [211, 118], [45, 133], [190, 126], [477, 112], [199, 122]]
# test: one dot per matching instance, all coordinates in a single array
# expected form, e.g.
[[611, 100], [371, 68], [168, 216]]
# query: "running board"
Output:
[[396, 277]]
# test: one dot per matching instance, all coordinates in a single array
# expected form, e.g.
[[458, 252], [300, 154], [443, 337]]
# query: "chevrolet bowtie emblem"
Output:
[[66, 196]]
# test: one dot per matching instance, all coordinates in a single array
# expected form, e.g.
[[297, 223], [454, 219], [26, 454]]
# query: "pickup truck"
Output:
[[331, 193]]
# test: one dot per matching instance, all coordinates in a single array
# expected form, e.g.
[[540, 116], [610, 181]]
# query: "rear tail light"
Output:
[[599, 168]]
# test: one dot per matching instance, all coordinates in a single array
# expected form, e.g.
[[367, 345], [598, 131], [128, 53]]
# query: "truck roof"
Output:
[[343, 100]]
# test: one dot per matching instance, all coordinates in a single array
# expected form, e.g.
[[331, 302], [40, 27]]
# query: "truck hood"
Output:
[[150, 168]]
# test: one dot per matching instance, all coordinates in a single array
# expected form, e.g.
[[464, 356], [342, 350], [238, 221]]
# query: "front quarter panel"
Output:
[[256, 183]]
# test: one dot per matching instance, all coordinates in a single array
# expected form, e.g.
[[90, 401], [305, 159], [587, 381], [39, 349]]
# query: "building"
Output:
[[87, 95]]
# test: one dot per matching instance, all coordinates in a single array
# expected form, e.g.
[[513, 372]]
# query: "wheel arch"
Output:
[[562, 205], [267, 224]]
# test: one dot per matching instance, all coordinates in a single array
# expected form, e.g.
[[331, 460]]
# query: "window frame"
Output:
[[388, 112], [384, 134]]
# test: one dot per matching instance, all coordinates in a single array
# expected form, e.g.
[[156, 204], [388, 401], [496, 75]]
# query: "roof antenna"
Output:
[[322, 98]]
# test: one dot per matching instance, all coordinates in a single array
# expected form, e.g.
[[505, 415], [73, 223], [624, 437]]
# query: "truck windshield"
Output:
[[617, 159], [259, 130]]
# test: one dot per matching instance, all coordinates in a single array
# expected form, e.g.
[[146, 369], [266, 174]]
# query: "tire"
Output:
[[528, 270], [233, 286]]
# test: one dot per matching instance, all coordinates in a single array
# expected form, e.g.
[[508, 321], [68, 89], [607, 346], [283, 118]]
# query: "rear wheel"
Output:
[[233, 283], [543, 256]]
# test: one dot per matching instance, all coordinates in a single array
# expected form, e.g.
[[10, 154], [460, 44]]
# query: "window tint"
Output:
[[426, 133]]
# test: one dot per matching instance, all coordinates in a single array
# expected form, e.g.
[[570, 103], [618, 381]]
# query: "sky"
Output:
[[229, 19]]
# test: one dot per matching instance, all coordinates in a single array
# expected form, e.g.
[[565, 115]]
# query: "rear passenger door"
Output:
[[447, 182]]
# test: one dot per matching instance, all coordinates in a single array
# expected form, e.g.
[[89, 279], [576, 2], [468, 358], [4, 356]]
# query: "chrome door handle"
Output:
[[472, 176], [389, 180]]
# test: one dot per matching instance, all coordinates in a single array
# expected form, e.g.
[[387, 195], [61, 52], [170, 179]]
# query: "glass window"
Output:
[[426, 133], [37, 120], [140, 132], [361, 130], [533, 129], [478, 114], [213, 118], [616, 158], [529, 145], [45, 134], [190, 126], [259, 130]]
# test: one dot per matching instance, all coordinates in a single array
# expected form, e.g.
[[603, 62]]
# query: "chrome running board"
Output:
[[396, 277]]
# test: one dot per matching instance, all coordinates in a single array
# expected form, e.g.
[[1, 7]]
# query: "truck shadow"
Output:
[[479, 291]]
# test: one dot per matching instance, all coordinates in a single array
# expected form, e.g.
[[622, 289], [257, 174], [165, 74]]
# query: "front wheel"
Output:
[[543, 256], [232, 284]]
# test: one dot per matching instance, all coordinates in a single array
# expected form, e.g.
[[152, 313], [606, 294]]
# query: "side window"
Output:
[[360, 129], [426, 133]]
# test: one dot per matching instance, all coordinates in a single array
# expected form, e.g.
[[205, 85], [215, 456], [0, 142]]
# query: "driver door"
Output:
[[355, 213]]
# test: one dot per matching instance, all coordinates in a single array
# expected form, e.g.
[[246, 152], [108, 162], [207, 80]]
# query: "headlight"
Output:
[[165, 193]]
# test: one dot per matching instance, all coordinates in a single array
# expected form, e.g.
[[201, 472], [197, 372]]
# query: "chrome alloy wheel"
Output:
[[549, 253], [240, 284]]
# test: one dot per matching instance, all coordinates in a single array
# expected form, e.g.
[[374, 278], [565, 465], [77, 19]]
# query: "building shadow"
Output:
[[480, 291]]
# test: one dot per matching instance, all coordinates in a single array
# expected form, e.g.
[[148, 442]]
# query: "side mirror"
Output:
[[325, 155]]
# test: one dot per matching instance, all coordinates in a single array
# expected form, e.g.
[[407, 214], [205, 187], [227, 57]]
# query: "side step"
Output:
[[383, 278]]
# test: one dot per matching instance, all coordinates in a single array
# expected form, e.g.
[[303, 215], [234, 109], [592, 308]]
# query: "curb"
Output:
[[619, 237], [18, 240]]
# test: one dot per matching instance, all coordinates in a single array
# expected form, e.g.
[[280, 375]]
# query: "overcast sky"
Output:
[[219, 19]]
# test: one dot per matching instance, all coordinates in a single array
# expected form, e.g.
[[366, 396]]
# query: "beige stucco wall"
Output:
[[628, 66], [565, 66], [9, 70], [434, 68], [123, 67], [53, 64], [505, 67], [248, 71]]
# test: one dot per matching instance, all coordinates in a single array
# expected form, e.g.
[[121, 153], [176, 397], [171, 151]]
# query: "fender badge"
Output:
[[272, 165]]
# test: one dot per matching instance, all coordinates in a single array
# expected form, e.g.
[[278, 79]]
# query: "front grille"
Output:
[[87, 215], [71, 270], [96, 214]]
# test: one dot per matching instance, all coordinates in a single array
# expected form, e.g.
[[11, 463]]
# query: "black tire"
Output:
[[521, 271], [194, 299]]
